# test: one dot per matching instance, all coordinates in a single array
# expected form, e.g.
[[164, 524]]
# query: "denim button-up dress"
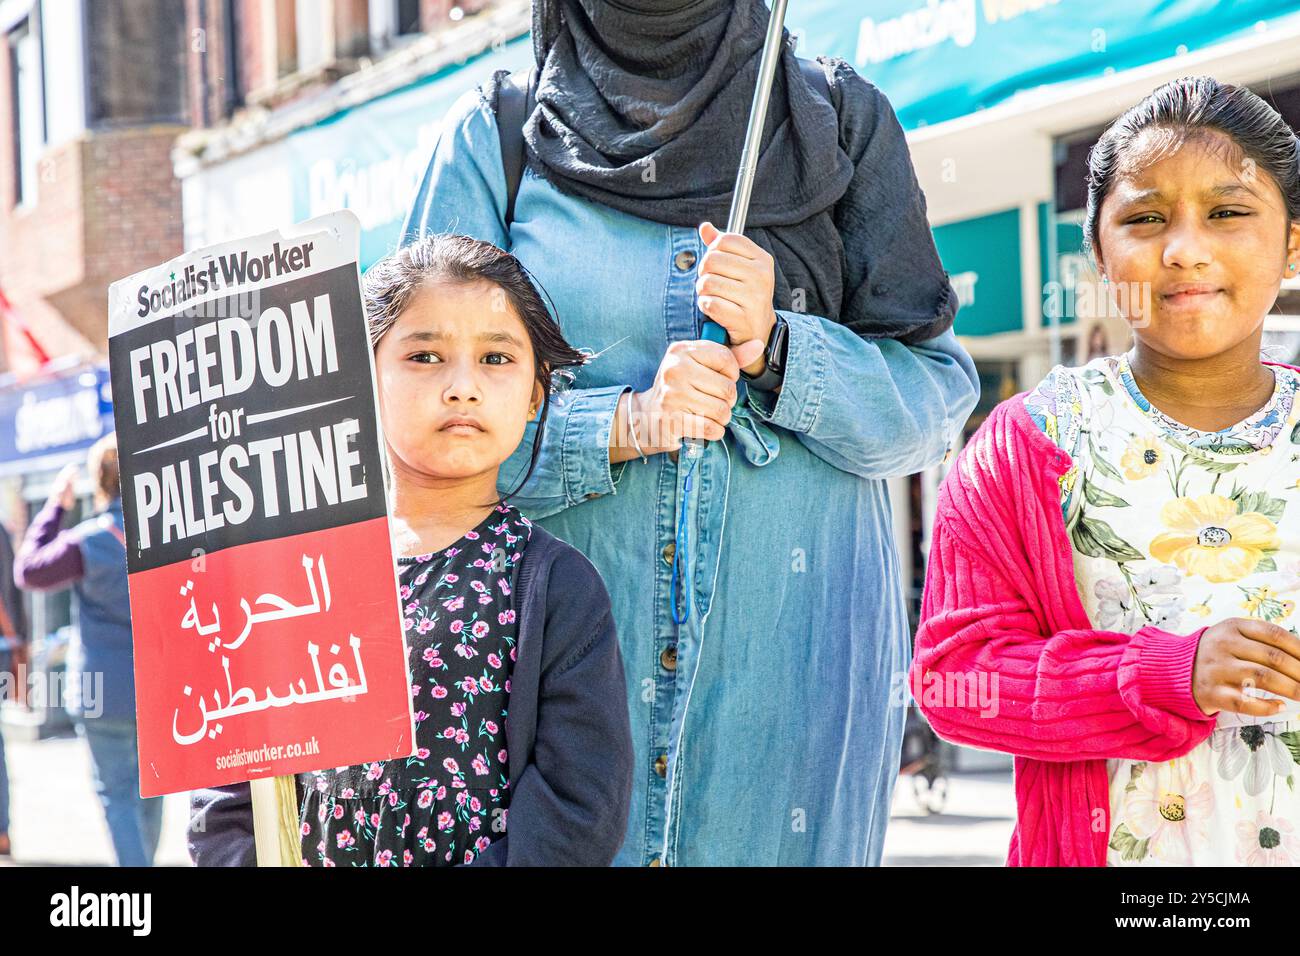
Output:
[[767, 725]]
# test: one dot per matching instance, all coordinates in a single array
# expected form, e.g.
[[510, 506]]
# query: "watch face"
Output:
[[776, 351]]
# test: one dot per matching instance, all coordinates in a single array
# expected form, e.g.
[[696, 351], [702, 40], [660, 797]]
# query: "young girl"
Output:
[[500, 616], [1116, 554]]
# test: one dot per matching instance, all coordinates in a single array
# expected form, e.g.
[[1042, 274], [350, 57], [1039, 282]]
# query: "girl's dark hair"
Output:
[[1181, 110], [388, 285]]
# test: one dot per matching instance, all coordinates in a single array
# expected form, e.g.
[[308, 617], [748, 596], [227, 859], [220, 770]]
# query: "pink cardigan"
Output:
[[1001, 603]]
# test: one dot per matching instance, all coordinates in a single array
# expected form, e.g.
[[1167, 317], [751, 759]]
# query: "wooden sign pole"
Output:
[[275, 821]]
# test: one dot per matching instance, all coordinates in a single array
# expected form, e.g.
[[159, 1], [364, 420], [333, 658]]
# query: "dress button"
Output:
[[684, 259], [668, 657], [661, 765], [670, 549]]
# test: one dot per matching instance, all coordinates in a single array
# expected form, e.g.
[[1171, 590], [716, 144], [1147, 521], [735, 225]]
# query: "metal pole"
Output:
[[748, 166], [757, 119]]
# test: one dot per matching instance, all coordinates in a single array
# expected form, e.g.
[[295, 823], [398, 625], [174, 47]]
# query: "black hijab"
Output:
[[642, 106]]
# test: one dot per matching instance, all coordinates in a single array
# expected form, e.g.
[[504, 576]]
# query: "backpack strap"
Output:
[[816, 77], [516, 97]]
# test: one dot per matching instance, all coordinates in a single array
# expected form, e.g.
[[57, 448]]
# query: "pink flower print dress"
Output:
[[1180, 528], [448, 802]]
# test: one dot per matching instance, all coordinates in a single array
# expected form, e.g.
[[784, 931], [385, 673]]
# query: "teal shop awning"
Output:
[[982, 257]]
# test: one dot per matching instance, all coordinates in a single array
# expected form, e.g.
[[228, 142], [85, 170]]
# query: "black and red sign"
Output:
[[264, 608]]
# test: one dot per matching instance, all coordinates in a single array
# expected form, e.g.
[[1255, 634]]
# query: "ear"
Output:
[[536, 400], [1291, 269]]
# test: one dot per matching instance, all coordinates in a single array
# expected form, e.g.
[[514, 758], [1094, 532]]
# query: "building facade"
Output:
[[87, 195], [93, 98]]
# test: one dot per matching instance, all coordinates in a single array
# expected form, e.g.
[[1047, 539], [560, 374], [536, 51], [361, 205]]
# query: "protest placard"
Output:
[[264, 611]]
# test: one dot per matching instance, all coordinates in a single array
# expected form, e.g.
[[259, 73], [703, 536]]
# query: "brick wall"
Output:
[[266, 76], [351, 28], [131, 206], [252, 45], [207, 75], [107, 205], [40, 246]]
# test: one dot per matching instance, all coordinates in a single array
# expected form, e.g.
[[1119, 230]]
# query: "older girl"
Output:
[[1117, 552]]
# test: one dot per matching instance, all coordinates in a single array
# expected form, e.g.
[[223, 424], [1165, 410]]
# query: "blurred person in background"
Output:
[[91, 558], [13, 661]]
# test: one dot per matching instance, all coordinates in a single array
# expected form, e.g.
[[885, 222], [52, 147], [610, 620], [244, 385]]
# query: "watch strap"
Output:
[[774, 373]]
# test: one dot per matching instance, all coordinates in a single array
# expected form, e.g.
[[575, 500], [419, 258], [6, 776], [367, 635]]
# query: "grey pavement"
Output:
[[56, 818], [973, 829]]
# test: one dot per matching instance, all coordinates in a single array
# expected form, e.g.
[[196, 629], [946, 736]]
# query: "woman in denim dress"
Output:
[[759, 604]]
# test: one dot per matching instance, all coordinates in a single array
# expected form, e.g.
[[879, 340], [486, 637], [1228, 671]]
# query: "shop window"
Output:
[[123, 87], [392, 21], [999, 380], [1072, 170], [235, 81], [1285, 100], [914, 587], [312, 38], [27, 106], [408, 17], [280, 24]]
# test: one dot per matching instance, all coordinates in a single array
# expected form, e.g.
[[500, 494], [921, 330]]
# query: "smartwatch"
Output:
[[774, 355]]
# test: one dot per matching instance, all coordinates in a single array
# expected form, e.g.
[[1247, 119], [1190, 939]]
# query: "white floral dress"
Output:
[[1180, 528]]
